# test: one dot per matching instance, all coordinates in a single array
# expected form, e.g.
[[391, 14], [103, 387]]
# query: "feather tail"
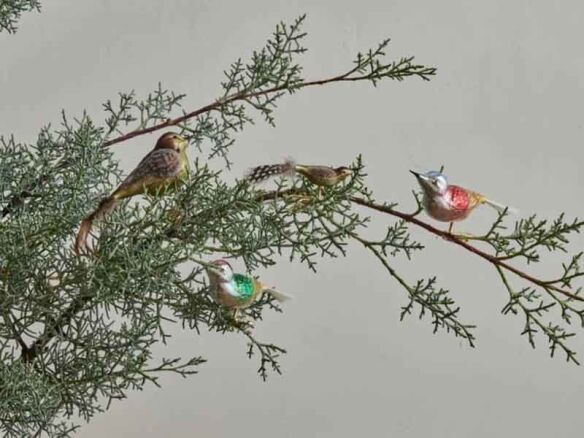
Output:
[[262, 173], [105, 207], [500, 207], [280, 296]]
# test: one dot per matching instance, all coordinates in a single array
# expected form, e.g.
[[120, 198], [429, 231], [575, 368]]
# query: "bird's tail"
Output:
[[105, 207], [280, 296], [500, 207], [267, 171]]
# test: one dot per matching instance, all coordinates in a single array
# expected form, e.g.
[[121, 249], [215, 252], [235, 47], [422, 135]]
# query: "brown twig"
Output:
[[54, 328], [31, 352], [457, 241], [17, 200], [410, 218], [227, 100]]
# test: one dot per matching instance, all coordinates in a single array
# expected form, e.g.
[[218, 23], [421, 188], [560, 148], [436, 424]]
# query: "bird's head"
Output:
[[172, 140], [343, 172], [220, 269], [432, 182]]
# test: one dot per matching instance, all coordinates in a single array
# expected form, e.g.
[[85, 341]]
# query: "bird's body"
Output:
[[449, 203], [323, 176], [236, 291], [160, 171], [455, 205]]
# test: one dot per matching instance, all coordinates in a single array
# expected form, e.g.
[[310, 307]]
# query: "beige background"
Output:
[[504, 114]]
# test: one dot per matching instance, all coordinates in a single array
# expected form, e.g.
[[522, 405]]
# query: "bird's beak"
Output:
[[422, 178]]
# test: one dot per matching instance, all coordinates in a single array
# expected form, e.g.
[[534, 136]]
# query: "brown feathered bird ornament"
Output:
[[161, 170]]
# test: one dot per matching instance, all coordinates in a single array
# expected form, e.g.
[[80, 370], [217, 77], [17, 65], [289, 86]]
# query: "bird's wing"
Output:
[[460, 198], [244, 285], [158, 165], [316, 171]]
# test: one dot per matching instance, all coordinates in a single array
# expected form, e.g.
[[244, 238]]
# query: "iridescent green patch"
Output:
[[243, 285]]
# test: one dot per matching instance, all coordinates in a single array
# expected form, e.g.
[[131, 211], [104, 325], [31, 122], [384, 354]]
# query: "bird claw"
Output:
[[465, 237]]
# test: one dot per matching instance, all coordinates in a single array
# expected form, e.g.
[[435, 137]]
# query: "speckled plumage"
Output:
[[267, 171], [325, 176], [159, 171]]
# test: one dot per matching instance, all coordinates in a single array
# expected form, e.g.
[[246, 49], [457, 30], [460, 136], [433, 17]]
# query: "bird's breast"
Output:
[[443, 209], [228, 295]]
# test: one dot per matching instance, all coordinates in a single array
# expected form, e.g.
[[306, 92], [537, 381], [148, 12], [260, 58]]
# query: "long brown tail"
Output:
[[267, 171], [106, 206]]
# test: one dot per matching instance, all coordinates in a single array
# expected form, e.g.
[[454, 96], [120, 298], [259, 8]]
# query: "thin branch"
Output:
[[422, 72], [57, 326], [452, 238], [243, 96], [16, 334]]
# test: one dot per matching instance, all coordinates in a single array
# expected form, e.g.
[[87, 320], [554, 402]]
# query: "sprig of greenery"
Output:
[[11, 11], [83, 329], [424, 294], [534, 302], [371, 66], [149, 111]]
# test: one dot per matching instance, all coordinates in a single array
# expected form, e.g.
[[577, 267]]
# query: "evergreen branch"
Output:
[[531, 234], [183, 369], [269, 354], [54, 328], [271, 73], [437, 302], [556, 335], [398, 72], [11, 10], [274, 66], [494, 260]]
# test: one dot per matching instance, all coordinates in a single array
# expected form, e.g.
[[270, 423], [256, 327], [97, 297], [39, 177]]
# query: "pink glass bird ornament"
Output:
[[447, 202]]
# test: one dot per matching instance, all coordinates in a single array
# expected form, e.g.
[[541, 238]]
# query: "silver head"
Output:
[[432, 182], [220, 271]]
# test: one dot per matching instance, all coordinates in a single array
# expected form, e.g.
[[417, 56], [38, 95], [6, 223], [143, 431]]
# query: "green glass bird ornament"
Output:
[[236, 291]]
